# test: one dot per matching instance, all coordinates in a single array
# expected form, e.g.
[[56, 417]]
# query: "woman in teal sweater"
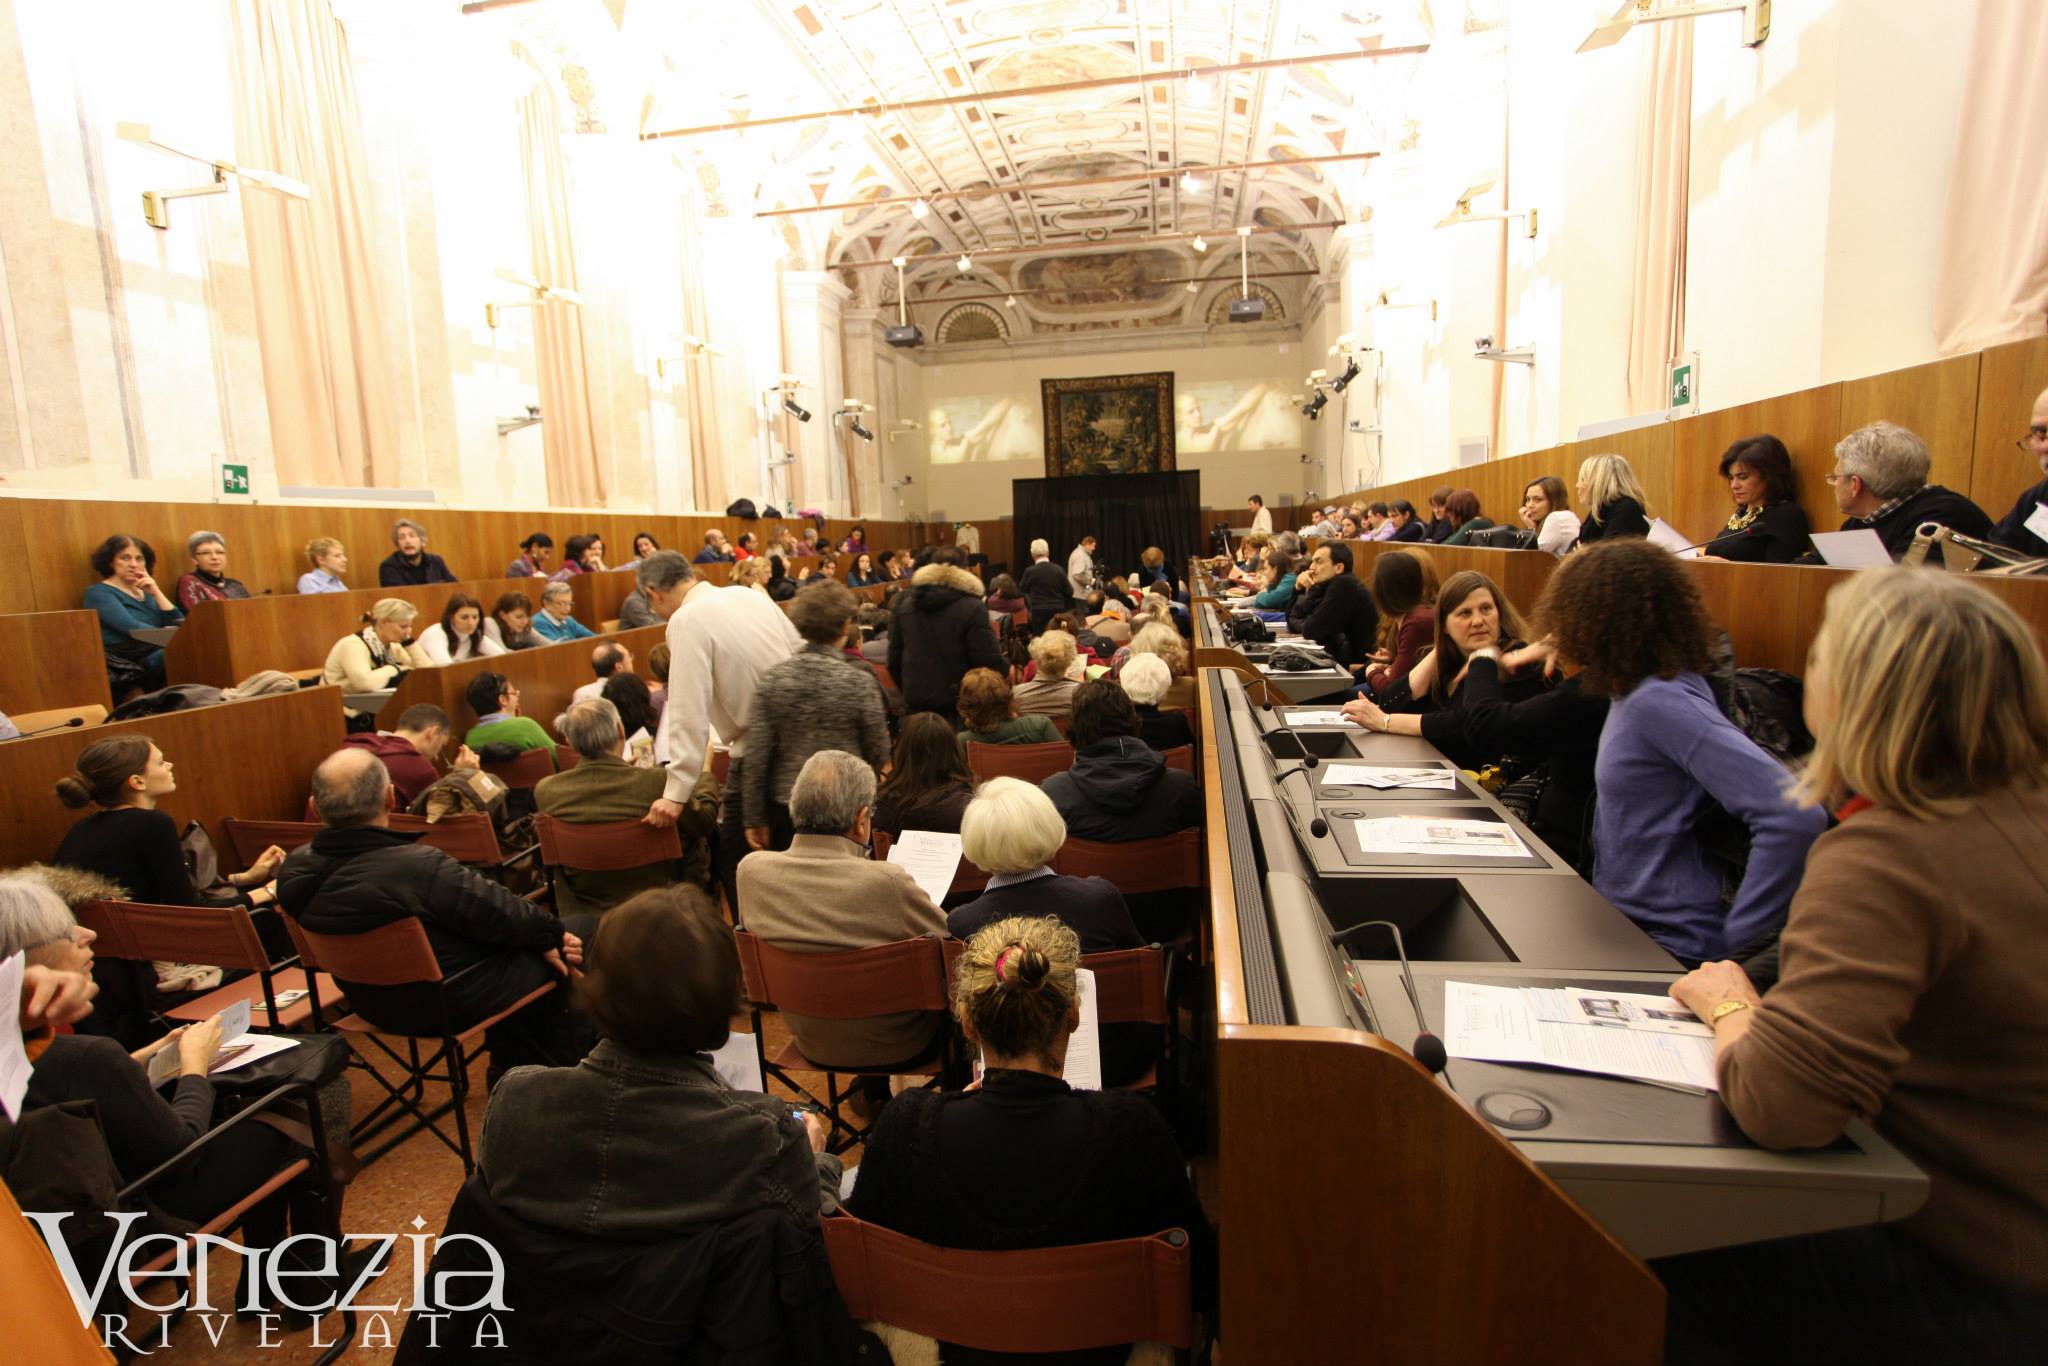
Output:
[[128, 599], [1281, 572]]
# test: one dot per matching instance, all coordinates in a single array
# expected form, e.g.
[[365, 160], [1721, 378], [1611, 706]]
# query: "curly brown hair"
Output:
[[1624, 611]]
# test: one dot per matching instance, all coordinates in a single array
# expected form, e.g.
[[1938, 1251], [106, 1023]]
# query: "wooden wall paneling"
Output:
[[1808, 422], [598, 596], [53, 659], [2010, 378], [251, 759], [14, 551], [1937, 401], [1759, 605], [546, 678]]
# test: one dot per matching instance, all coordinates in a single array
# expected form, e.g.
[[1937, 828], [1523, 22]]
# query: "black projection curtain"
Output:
[[1125, 512]]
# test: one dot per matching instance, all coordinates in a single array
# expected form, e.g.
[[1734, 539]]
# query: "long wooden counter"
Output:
[[54, 659]]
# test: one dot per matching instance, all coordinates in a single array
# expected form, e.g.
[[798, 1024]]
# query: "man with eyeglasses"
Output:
[[2025, 528], [1880, 482]]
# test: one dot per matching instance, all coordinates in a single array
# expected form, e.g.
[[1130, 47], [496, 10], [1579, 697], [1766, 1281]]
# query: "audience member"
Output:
[[533, 557], [1768, 526], [1340, 615], [2025, 528], [410, 748], [1262, 516], [495, 700], [1059, 670], [746, 547], [1152, 569], [634, 611], [1404, 588], [493, 945], [127, 600], [1379, 523], [1547, 512], [855, 543], [874, 624], [1406, 526], [1145, 679], [1461, 510], [607, 657], [458, 635], [1473, 619], [373, 658], [750, 574], [330, 563], [714, 550], [511, 623], [1439, 527], [35, 922], [988, 713], [552, 623], [1004, 596], [410, 563], [582, 555], [938, 631], [824, 894], [605, 787], [644, 545], [1119, 788], [1024, 1160], [1348, 528], [863, 574], [1613, 498], [1904, 997], [817, 699], [208, 581], [1631, 618], [929, 784], [1081, 573], [1044, 586], [639, 712], [1276, 583], [1166, 642], [1880, 483]]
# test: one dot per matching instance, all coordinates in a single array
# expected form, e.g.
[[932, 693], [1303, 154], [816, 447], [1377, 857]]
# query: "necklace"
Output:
[[1741, 520]]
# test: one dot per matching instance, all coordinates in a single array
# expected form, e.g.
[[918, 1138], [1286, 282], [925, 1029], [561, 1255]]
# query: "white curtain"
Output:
[[1656, 319], [578, 474]]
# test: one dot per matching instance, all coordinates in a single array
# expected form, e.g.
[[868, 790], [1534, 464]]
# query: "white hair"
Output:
[[1891, 460], [1011, 826], [30, 914], [200, 538], [1145, 679], [1039, 549], [556, 590]]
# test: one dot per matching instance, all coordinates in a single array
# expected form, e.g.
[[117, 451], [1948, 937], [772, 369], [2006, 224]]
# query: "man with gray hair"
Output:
[[1044, 586], [493, 947], [208, 581], [410, 564], [824, 894], [1880, 483], [672, 578]]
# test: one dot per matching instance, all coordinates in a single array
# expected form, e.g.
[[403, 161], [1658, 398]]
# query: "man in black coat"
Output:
[[411, 564], [1341, 616], [1045, 588], [493, 947], [1119, 788], [938, 632]]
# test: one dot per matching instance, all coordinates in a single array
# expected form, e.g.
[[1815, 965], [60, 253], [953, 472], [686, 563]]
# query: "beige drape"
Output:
[[1656, 319], [313, 266], [1991, 284], [701, 386], [578, 475]]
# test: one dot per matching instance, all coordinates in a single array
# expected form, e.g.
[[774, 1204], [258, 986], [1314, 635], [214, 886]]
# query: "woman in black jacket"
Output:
[[1613, 498], [1767, 526], [929, 783]]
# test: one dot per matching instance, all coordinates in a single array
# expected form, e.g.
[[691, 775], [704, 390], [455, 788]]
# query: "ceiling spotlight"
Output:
[[963, 265], [920, 209], [1200, 90], [899, 261], [1199, 245], [1350, 373], [1191, 182], [1192, 286], [1314, 407]]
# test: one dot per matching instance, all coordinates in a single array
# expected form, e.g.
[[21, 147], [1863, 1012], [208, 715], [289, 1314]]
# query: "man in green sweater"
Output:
[[495, 701]]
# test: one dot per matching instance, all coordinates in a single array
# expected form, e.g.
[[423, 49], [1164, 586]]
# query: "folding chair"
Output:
[[1135, 986], [851, 984], [398, 955], [1053, 1299], [215, 936], [523, 772], [603, 846], [966, 878], [1181, 757], [1033, 763], [566, 758], [250, 838], [467, 838], [1165, 864]]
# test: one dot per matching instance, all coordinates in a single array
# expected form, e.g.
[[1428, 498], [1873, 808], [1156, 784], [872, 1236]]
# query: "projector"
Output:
[[909, 334], [1247, 310]]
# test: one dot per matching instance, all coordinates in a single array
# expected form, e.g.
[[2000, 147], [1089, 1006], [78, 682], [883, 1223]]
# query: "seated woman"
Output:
[[1025, 1160], [1406, 525], [1251, 557], [750, 574], [1013, 833], [582, 555], [330, 564], [208, 581], [1404, 588], [458, 635], [511, 623], [1145, 679], [639, 713], [1051, 689], [1629, 615], [1546, 512], [644, 545], [1152, 569], [375, 657], [1166, 642], [1905, 996], [1767, 526], [856, 542], [1613, 498], [127, 600], [780, 586], [1461, 510], [1119, 788], [988, 714], [1003, 595], [685, 1155], [1348, 528], [863, 574], [1276, 586], [929, 783], [552, 623], [1439, 524]]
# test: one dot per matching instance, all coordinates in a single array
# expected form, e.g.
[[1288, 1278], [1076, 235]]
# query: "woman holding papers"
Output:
[[1911, 994]]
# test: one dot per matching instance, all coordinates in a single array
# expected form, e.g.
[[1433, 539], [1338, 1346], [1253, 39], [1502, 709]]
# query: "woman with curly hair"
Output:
[[1626, 616]]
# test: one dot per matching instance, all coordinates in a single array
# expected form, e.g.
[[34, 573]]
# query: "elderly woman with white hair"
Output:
[[1145, 679], [35, 921], [553, 623], [208, 581], [1051, 689], [375, 657], [1167, 642], [1012, 831]]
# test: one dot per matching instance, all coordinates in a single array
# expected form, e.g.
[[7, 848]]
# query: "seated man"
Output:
[[825, 894], [492, 945], [1119, 788], [1880, 482], [1337, 612], [495, 700], [635, 611], [714, 551], [410, 748], [605, 660], [605, 787], [2025, 528], [411, 563], [552, 623]]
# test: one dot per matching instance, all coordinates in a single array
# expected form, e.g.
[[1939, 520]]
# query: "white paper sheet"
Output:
[[1083, 1071], [1859, 549], [2037, 521], [243, 1051], [1385, 776], [738, 1062], [14, 1064], [235, 1049], [1430, 836], [1664, 534], [1319, 717], [1505, 1024], [931, 857]]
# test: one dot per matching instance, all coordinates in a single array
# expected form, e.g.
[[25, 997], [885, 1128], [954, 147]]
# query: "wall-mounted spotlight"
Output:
[[156, 204], [1386, 300], [1461, 212], [1484, 348], [494, 312], [695, 348], [1756, 19], [1338, 384], [795, 409], [1314, 407], [905, 428], [849, 413]]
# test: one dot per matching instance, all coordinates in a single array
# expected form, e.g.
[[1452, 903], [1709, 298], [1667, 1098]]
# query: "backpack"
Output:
[[465, 791], [1765, 704], [743, 508], [177, 697]]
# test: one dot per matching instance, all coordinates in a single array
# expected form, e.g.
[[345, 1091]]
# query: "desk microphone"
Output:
[[1427, 1049], [1308, 760], [1317, 826], [74, 722]]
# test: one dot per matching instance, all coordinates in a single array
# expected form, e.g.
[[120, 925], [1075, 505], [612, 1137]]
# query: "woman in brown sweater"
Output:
[[1912, 994]]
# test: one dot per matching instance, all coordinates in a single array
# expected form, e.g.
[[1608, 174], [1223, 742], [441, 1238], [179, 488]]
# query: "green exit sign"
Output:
[[234, 478]]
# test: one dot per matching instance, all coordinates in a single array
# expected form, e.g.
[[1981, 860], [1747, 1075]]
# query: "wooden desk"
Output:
[[253, 759], [54, 659], [546, 677]]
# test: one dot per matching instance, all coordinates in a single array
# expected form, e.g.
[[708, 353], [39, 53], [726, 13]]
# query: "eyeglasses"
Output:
[[1833, 479], [2036, 436]]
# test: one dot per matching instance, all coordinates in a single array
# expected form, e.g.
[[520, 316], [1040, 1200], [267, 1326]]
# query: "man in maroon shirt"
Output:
[[410, 749]]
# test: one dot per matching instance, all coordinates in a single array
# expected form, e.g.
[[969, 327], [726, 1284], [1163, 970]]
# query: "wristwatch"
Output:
[[1724, 1010]]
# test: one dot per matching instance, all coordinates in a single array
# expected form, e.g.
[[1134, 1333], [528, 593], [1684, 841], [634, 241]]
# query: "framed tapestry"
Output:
[[1109, 424]]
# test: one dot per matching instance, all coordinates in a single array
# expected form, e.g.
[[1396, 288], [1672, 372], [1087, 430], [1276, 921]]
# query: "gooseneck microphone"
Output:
[[1427, 1049], [1317, 826], [72, 724], [1308, 760]]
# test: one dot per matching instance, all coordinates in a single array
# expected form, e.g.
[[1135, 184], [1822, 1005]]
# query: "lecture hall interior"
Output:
[[1256, 682]]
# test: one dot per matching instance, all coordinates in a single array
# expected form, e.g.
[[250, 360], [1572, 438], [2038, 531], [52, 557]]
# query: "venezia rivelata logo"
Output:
[[303, 1273]]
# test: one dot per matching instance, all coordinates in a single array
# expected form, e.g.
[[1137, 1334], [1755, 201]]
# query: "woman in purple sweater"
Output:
[[1626, 613]]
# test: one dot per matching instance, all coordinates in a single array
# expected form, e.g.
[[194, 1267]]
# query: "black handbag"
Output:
[[321, 1062]]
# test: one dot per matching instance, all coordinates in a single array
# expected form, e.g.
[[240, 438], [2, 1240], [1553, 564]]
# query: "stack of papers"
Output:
[[238, 1047], [1610, 1033], [1428, 835], [1319, 717], [931, 857], [1383, 776]]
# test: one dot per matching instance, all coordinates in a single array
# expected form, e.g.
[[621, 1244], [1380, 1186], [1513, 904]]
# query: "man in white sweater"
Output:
[[1081, 569]]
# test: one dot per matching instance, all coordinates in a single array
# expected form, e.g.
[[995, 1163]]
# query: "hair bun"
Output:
[[73, 791], [1021, 967]]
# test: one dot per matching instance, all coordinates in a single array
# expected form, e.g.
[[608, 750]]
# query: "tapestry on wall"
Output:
[[1109, 424]]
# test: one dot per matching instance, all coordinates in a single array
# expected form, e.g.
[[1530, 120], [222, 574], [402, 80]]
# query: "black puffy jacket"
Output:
[[939, 631], [1120, 789]]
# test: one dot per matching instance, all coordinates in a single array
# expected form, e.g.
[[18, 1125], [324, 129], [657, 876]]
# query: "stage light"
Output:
[[1314, 407], [1191, 183], [1350, 373]]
